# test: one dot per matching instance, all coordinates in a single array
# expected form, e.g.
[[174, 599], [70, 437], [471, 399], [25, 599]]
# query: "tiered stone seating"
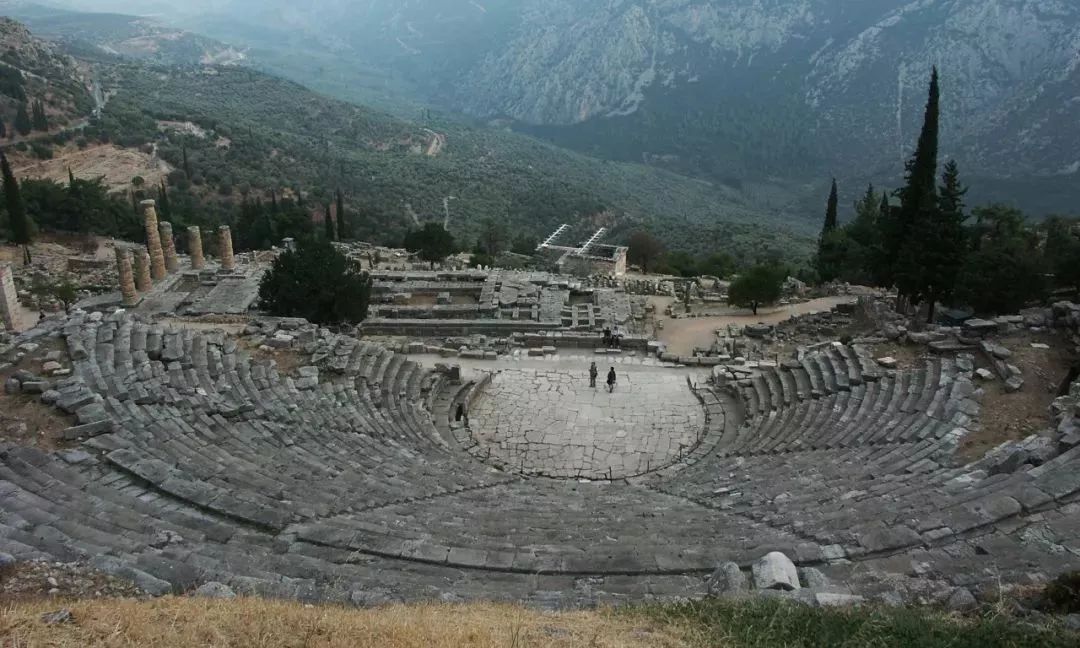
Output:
[[826, 401], [342, 483]]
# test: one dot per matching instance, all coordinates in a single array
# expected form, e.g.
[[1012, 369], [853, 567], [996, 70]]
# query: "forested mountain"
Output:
[[222, 135], [723, 89]]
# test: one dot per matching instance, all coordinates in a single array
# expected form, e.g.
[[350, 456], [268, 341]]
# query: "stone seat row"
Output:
[[247, 443], [897, 406], [58, 509], [873, 499]]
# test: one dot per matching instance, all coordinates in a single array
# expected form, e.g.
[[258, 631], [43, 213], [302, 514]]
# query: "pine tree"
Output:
[[907, 231], [23, 125], [342, 225], [328, 225], [18, 221]]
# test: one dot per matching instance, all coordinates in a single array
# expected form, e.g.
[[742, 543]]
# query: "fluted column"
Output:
[[143, 282], [195, 248], [127, 277], [225, 251], [153, 240], [168, 245]]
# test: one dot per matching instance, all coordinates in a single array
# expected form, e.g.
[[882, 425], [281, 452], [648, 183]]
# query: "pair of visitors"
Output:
[[594, 372]]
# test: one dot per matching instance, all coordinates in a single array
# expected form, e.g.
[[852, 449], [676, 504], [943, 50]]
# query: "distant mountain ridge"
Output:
[[737, 89]]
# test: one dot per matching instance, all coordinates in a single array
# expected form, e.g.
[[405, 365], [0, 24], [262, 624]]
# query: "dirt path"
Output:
[[682, 336]]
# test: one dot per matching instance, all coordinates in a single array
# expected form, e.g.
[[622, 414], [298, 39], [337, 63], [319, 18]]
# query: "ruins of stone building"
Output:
[[590, 257]]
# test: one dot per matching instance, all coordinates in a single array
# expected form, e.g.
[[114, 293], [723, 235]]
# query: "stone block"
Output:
[[775, 571], [727, 580]]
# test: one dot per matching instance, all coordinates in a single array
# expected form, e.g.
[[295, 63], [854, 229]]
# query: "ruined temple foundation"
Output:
[[143, 282], [195, 248], [153, 240], [127, 277], [168, 244], [225, 249], [9, 299]]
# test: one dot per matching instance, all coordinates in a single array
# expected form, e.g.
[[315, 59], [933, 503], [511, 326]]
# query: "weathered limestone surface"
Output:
[[195, 248], [153, 240], [553, 423], [172, 263], [9, 299], [143, 280], [225, 249], [127, 277]]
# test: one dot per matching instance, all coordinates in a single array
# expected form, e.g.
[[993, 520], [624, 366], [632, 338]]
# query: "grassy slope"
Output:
[[535, 186], [175, 622]]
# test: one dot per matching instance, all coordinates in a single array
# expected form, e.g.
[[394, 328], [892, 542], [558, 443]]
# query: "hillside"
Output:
[[282, 135], [33, 70], [721, 89], [249, 133], [113, 34]]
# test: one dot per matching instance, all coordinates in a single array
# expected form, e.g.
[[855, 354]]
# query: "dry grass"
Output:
[[175, 622]]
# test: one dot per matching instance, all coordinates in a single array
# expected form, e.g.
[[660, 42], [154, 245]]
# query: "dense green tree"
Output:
[[163, 205], [343, 230], [432, 243], [18, 222], [38, 119], [329, 230], [1063, 251], [524, 245], [493, 236], [318, 283], [23, 125], [645, 250], [832, 218], [3, 129], [832, 244], [187, 164], [759, 286], [918, 199], [1004, 272]]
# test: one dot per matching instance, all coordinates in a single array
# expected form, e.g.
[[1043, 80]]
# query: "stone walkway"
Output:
[[550, 422]]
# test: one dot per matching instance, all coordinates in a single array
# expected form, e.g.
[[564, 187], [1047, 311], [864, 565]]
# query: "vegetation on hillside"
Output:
[[259, 134], [926, 244]]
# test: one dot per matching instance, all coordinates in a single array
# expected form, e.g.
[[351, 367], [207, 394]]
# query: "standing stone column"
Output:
[[9, 299], [127, 277], [225, 248], [168, 244], [143, 283], [153, 240], [194, 237]]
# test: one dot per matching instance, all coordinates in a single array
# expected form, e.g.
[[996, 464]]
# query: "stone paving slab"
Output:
[[551, 422]]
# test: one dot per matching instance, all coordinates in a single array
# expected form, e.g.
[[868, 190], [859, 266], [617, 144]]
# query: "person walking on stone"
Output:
[[593, 373], [611, 380]]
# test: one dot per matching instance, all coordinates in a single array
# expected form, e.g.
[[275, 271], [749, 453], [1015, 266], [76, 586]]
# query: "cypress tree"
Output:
[[3, 129], [163, 198], [39, 121], [17, 218], [328, 225], [342, 226], [831, 218], [187, 167], [23, 126], [831, 244], [906, 231]]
